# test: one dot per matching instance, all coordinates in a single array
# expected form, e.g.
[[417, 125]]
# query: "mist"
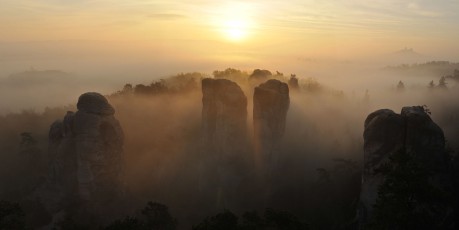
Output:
[[321, 150]]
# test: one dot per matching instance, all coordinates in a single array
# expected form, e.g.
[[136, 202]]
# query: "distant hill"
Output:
[[431, 68], [37, 77], [407, 52], [405, 55]]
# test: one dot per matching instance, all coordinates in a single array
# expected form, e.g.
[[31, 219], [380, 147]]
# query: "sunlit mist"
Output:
[[229, 114], [235, 20]]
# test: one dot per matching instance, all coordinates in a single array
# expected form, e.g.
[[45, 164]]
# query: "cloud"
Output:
[[167, 16], [416, 9]]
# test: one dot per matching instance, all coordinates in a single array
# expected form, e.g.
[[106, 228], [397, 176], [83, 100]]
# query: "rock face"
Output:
[[86, 150], [386, 133], [99, 145], [270, 105], [224, 130], [224, 115]]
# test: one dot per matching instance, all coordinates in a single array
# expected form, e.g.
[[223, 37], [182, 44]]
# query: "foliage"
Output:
[[400, 86], [130, 223], [431, 85], [225, 220], [153, 216], [442, 83], [293, 82], [311, 85], [11, 216], [407, 199], [241, 77], [180, 83], [157, 216], [334, 196], [426, 109], [272, 219], [260, 74]]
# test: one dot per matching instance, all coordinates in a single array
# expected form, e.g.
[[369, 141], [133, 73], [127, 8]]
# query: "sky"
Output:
[[224, 31], [107, 43]]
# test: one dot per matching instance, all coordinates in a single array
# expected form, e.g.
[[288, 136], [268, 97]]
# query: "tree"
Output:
[[283, 220], [226, 73], [431, 85], [400, 86], [407, 199], [293, 82], [260, 74], [272, 220], [225, 220], [157, 216], [130, 223], [153, 216], [442, 83], [127, 89], [11, 216], [27, 141]]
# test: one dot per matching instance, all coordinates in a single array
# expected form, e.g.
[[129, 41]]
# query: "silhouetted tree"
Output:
[[272, 220], [456, 73], [225, 220], [283, 220], [226, 73], [311, 85], [442, 83], [400, 86], [252, 221], [324, 175], [130, 223], [29, 149], [406, 198], [260, 74], [157, 216], [293, 82], [153, 216], [27, 141], [431, 85], [11, 216], [127, 89]]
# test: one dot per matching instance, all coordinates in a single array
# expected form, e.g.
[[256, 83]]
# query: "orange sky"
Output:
[[245, 30]]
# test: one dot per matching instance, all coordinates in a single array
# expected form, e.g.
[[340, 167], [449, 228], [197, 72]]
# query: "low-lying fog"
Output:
[[324, 121]]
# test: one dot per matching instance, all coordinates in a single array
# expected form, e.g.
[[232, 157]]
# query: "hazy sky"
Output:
[[140, 40], [314, 24], [218, 33]]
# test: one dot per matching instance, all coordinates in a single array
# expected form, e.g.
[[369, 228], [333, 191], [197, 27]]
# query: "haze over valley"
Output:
[[229, 115]]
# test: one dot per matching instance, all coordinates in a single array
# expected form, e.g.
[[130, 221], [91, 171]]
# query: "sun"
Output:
[[236, 29], [234, 21]]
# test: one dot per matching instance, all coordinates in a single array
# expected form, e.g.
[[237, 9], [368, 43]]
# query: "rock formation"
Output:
[[270, 105], [293, 83], [386, 133], [224, 116], [85, 151], [99, 145], [224, 130]]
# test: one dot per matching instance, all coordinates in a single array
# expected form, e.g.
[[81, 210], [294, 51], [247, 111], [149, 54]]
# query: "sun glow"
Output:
[[236, 29], [234, 21]]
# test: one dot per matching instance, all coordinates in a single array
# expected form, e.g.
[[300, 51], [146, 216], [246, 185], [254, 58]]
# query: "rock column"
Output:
[[270, 105]]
